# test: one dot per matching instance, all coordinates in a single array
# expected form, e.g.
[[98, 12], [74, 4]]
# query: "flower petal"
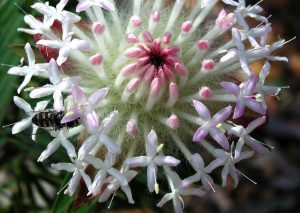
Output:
[[82, 45], [21, 125], [118, 175], [110, 144], [256, 123], [222, 115], [231, 87], [250, 85], [69, 167], [255, 106], [78, 95], [140, 161], [151, 177], [22, 104], [54, 75], [165, 199], [87, 146], [69, 148], [51, 148], [197, 162], [107, 5], [200, 134], [202, 110], [219, 137], [239, 109], [166, 160], [73, 184], [42, 91], [58, 101], [62, 56], [255, 144], [84, 5], [96, 98], [151, 144], [30, 54]]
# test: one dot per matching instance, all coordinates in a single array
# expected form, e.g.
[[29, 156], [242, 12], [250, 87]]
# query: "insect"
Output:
[[52, 119]]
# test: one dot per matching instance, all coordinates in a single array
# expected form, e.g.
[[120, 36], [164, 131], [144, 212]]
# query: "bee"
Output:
[[52, 119]]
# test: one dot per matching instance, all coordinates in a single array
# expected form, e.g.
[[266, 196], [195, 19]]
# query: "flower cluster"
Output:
[[132, 82]]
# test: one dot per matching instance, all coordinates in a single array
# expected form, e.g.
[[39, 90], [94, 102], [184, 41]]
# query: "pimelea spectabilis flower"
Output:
[[158, 74]]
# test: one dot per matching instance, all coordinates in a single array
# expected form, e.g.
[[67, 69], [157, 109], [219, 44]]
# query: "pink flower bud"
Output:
[[208, 65], [96, 59], [203, 45], [205, 92], [173, 122], [155, 86], [131, 127], [136, 21], [98, 28], [155, 16], [173, 92], [133, 84], [186, 26]]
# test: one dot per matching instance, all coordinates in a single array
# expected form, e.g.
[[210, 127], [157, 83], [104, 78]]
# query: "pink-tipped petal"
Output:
[[181, 69], [83, 5], [155, 86], [173, 91], [148, 37], [167, 37], [107, 5], [134, 52], [133, 84], [128, 69], [131, 38]]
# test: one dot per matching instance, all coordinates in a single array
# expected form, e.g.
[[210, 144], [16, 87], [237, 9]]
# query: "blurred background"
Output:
[[28, 186]]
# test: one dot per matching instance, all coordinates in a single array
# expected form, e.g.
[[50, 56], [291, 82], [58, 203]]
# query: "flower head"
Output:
[[160, 65]]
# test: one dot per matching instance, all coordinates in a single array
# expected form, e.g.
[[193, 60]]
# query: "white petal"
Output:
[[118, 175], [140, 161], [69, 147], [54, 75], [151, 176], [58, 100], [165, 199], [87, 146], [51, 148], [22, 104], [63, 56], [42, 91], [73, 183], [97, 163], [126, 189], [96, 98], [81, 45], [21, 125], [50, 43], [30, 54], [64, 166], [40, 106], [110, 144]]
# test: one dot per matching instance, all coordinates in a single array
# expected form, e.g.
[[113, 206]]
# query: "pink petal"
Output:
[[231, 87], [222, 115], [256, 123], [78, 95], [200, 134], [239, 109], [96, 98], [151, 177], [151, 144], [255, 106], [202, 110], [219, 138], [83, 5]]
